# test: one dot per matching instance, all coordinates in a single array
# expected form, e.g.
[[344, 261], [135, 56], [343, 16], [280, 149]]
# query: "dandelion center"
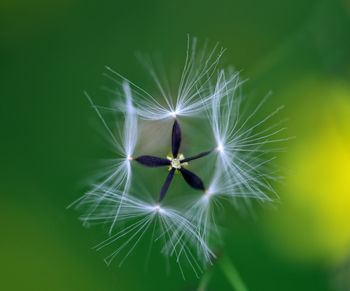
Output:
[[175, 163]]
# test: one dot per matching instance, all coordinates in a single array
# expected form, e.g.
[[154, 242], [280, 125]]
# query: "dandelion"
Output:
[[238, 169]]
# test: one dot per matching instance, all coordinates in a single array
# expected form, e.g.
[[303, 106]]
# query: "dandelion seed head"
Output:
[[241, 169]]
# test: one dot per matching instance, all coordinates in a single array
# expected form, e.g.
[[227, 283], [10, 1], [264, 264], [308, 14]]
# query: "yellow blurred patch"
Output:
[[313, 222]]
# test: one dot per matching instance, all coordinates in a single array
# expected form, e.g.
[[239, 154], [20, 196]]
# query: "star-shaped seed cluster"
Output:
[[176, 163]]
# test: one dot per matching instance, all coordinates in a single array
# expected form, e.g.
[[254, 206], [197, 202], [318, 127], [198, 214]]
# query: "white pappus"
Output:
[[241, 170]]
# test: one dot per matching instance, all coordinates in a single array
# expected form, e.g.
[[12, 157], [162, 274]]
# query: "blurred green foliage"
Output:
[[53, 50]]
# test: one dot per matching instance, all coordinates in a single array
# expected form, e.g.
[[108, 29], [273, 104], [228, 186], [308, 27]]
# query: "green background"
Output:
[[51, 51]]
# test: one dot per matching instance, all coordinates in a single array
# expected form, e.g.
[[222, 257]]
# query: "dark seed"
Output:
[[151, 161]]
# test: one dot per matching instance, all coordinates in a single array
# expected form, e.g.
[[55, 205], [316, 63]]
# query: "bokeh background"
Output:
[[51, 51]]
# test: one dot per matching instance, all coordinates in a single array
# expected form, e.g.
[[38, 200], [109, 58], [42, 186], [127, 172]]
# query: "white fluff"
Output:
[[241, 170], [179, 235], [193, 95]]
